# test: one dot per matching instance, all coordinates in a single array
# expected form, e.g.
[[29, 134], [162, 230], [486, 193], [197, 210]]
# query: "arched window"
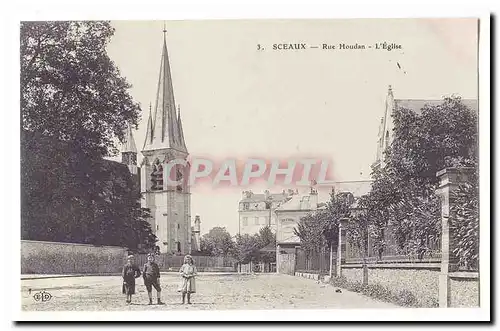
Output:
[[157, 176], [386, 139]]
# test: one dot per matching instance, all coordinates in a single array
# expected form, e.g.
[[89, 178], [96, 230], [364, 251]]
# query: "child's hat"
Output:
[[130, 257], [151, 254]]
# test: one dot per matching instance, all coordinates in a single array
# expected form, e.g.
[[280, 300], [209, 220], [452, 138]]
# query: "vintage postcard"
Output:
[[182, 166]]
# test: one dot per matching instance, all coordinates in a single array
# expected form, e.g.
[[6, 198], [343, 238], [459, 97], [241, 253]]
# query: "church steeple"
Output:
[[165, 129], [181, 131], [129, 151]]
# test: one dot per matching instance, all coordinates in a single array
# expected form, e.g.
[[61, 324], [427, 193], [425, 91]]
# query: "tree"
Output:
[[69, 198], [320, 228], [246, 248], [217, 242], [403, 193], [358, 227], [310, 230], [73, 103], [464, 222], [264, 238], [70, 88]]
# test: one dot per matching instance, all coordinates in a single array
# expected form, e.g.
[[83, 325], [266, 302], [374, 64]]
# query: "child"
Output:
[[151, 275], [188, 285], [129, 274]]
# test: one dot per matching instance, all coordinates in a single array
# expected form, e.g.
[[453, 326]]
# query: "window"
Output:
[[157, 227], [256, 221], [178, 247], [245, 221], [246, 206], [178, 226], [157, 176]]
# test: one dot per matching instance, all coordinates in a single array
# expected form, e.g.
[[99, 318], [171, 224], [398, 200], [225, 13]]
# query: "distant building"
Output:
[[257, 210], [289, 213], [386, 127], [288, 216]]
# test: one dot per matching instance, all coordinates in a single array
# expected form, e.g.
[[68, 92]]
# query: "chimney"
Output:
[[313, 199], [267, 193], [196, 232]]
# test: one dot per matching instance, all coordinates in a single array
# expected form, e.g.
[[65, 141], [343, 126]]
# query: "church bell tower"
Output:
[[170, 205]]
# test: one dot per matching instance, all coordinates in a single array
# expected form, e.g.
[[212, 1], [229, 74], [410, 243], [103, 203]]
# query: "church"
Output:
[[170, 206]]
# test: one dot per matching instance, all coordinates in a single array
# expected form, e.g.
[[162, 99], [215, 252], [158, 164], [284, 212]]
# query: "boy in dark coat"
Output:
[[151, 275], [130, 273]]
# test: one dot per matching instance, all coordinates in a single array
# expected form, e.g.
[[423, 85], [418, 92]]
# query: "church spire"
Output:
[[164, 129], [129, 151], [128, 145], [181, 131]]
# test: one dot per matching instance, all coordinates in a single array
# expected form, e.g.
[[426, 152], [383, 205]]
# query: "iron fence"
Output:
[[313, 262]]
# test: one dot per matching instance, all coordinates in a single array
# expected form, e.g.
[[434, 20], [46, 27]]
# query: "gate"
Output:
[[313, 262], [286, 264]]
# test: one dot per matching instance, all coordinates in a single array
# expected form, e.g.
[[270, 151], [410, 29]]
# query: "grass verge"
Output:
[[378, 291]]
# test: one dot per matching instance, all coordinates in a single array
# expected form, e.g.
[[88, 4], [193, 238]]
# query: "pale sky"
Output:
[[240, 102]]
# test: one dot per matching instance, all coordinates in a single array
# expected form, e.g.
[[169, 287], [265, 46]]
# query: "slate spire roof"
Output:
[[164, 125]]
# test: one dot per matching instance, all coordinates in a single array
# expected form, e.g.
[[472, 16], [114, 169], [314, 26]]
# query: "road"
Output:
[[233, 291]]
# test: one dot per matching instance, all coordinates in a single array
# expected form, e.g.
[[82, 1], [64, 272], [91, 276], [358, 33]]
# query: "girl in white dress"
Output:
[[188, 273]]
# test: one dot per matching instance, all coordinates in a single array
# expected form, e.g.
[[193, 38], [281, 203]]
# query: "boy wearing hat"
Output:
[[130, 273], [151, 275]]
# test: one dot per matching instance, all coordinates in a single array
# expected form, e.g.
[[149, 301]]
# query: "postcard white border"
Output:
[[95, 9]]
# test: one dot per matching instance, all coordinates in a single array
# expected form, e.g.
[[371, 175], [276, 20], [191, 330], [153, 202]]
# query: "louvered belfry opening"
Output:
[[157, 176]]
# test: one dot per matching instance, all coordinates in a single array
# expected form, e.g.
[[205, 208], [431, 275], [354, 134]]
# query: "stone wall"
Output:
[[464, 288], [422, 280], [43, 257]]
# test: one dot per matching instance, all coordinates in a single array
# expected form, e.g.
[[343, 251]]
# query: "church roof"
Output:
[[164, 124], [417, 104]]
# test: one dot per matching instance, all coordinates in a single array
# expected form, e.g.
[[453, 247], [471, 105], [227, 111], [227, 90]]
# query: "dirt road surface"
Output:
[[228, 291]]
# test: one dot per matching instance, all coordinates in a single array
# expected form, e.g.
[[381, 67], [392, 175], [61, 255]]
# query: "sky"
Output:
[[239, 102]]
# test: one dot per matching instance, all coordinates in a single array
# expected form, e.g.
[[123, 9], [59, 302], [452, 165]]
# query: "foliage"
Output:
[[403, 193], [358, 227], [247, 246], [217, 242], [464, 222], [310, 231], [68, 196], [73, 103], [319, 229], [264, 238], [70, 88]]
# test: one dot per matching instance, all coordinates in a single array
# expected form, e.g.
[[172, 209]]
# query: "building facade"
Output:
[[257, 210], [170, 204], [289, 214]]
